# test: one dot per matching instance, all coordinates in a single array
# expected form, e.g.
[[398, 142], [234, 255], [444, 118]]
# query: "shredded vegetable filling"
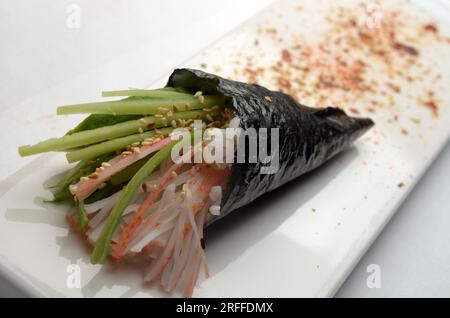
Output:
[[163, 223]]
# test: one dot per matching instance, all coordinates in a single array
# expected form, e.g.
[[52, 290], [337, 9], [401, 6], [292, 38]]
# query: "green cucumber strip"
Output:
[[102, 193], [127, 173], [93, 151], [72, 175], [93, 136], [82, 216], [140, 106], [101, 120]]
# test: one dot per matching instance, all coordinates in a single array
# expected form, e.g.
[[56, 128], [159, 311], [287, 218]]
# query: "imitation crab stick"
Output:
[[87, 186]]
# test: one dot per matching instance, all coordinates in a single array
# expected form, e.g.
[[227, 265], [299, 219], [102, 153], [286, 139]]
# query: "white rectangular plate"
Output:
[[386, 62]]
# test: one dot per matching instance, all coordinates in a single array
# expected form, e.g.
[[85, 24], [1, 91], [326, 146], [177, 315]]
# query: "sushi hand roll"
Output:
[[156, 168]]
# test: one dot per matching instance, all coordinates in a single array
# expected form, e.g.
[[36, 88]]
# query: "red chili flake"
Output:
[[395, 88], [405, 49], [354, 111], [431, 28], [151, 125], [432, 105], [286, 56], [365, 37], [284, 83]]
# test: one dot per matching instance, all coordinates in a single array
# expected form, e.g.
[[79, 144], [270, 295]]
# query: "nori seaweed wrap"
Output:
[[308, 137], [133, 200]]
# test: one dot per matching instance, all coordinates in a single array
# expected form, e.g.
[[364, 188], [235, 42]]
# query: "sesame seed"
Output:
[[174, 174], [158, 131], [216, 107], [187, 107], [179, 122], [174, 124], [163, 109], [126, 153], [102, 185], [175, 108], [158, 115], [201, 99], [142, 120], [169, 113], [106, 164], [84, 179], [73, 188], [136, 150], [164, 121], [208, 110], [268, 98], [209, 117], [93, 176], [146, 143], [141, 130], [199, 93]]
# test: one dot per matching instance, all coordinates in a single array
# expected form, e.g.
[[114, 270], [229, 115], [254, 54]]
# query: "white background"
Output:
[[39, 51]]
